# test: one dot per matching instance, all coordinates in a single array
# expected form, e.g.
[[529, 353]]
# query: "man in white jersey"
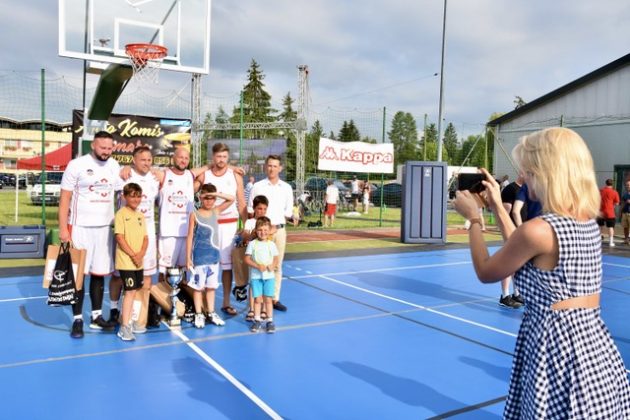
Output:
[[177, 195], [227, 182], [280, 209], [86, 212], [140, 174]]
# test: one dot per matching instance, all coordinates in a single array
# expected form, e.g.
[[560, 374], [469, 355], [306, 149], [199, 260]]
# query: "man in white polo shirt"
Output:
[[86, 212], [227, 182], [280, 209]]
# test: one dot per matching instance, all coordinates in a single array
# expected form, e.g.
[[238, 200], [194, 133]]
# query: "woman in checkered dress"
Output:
[[566, 365]]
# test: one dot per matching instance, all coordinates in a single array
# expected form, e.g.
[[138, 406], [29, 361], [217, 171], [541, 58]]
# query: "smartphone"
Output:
[[470, 182]]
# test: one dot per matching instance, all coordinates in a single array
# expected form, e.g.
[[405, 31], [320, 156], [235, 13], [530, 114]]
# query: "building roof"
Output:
[[608, 68]]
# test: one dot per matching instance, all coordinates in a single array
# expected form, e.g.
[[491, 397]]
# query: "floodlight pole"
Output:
[[439, 128]]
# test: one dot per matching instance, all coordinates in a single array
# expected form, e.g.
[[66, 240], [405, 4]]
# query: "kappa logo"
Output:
[[59, 275], [90, 172]]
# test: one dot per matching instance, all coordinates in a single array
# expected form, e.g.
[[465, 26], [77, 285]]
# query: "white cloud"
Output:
[[360, 52]]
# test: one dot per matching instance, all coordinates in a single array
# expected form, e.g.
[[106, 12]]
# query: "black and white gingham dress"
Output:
[[566, 365]]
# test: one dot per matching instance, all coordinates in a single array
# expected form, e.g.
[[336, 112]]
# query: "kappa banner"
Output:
[[356, 156]]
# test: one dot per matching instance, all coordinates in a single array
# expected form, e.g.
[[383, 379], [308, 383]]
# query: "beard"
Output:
[[102, 158]]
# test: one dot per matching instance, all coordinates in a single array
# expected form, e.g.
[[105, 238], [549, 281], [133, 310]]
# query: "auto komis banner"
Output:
[[161, 135], [356, 156]]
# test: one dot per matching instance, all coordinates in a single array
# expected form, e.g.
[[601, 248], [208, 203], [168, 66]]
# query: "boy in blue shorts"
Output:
[[203, 253], [262, 258]]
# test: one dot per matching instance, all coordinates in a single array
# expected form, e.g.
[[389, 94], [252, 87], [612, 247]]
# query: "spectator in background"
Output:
[[607, 215], [508, 197], [533, 208], [625, 213], [366, 197], [505, 181], [356, 192], [330, 200]]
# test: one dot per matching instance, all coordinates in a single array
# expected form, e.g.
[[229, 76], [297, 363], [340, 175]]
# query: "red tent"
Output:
[[57, 160]]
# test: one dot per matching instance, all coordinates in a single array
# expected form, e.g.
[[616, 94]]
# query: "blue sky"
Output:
[[365, 55]]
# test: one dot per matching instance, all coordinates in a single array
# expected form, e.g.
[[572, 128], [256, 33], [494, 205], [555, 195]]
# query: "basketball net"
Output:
[[146, 61]]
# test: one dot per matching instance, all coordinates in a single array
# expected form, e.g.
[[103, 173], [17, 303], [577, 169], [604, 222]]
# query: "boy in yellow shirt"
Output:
[[132, 240]]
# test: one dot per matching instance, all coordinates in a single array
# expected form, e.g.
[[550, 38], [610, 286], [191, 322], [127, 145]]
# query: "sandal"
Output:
[[228, 310], [263, 315], [250, 316]]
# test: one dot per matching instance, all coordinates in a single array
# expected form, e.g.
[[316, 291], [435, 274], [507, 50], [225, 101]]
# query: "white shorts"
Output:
[[149, 263], [99, 243], [172, 251], [204, 277], [226, 243]]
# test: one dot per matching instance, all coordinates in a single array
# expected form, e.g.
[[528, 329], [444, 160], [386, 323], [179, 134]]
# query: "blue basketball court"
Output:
[[401, 335]]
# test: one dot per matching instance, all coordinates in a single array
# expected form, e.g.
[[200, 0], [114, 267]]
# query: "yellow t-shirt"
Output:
[[131, 225]]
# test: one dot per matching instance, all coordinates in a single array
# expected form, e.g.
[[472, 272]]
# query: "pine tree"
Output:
[[256, 103], [450, 144], [311, 149], [288, 114], [222, 118], [404, 137]]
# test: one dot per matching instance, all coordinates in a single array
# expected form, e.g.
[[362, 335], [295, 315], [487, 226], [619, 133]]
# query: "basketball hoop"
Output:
[[146, 60]]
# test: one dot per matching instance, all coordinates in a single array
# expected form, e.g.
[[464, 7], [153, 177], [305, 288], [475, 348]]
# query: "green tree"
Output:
[[404, 137], [311, 149], [288, 114], [222, 118], [450, 144], [430, 137], [206, 135], [349, 132], [518, 102], [256, 103], [473, 150]]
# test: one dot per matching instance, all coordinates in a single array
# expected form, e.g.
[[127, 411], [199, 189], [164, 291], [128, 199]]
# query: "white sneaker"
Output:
[[136, 328], [125, 334], [200, 321], [612, 244], [215, 319]]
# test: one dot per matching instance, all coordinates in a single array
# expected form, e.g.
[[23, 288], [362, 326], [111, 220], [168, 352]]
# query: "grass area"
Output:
[[28, 214]]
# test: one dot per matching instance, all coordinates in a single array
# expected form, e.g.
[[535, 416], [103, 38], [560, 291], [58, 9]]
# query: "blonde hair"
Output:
[[560, 171]]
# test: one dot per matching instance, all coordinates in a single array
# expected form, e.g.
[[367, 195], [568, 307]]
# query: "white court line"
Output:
[[457, 318], [343, 273], [260, 403], [379, 270]]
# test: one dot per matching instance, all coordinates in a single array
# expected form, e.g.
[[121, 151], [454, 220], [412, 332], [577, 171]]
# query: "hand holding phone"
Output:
[[471, 182]]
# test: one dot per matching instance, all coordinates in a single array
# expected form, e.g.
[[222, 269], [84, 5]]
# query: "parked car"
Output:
[[316, 186], [52, 190], [392, 195]]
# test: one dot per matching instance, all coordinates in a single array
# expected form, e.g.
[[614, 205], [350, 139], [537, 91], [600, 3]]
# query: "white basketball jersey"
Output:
[[150, 190], [92, 183], [225, 184], [177, 196]]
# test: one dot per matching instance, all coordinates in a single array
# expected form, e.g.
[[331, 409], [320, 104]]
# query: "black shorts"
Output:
[[132, 279], [609, 222]]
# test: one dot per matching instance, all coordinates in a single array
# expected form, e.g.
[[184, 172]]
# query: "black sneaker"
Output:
[[113, 316], [518, 299], [77, 329], [278, 306], [99, 323], [508, 302], [271, 328]]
